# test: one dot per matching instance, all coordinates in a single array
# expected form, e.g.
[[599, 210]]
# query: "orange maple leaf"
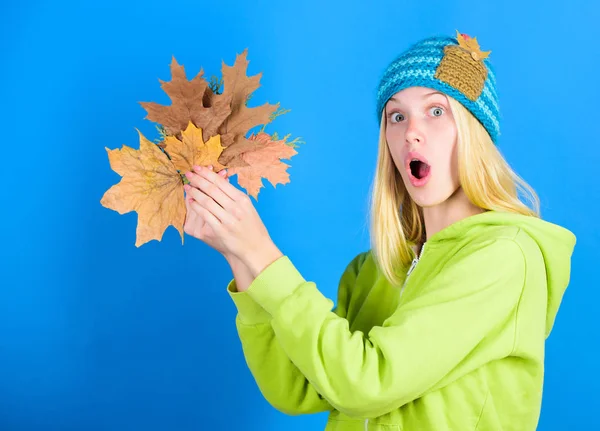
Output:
[[151, 186], [191, 150], [470, 44], [264, 162], [188, 104]]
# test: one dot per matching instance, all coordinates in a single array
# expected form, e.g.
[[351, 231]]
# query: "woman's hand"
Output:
[[225, 218], [195, 225]]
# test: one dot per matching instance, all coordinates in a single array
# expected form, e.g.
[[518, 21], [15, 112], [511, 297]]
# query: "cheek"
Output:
[[395, 137], [447, 150], [449, 159], [391, 136], [454, 163], [453, 154], [396, 154]]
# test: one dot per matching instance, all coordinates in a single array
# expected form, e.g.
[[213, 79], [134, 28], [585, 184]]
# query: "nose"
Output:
[[413, 134]]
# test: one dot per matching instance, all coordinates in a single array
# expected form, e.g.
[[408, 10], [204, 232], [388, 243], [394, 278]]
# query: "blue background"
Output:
[[97, 334]]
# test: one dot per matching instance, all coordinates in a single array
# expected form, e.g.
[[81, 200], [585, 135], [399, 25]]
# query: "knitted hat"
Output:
[[454, 66]]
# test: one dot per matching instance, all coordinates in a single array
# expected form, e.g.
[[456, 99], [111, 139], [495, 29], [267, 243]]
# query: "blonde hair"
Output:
[[486, 178]]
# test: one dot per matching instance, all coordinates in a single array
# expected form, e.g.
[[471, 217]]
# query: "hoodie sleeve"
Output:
[[282, 384], [463, 318]]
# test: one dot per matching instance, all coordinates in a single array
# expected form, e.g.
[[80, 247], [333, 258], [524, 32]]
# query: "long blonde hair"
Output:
[[485, 176]]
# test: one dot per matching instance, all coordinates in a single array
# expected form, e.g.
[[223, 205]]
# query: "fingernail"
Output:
[[210, 167], [187, 187], [197, 168], [188, 174]]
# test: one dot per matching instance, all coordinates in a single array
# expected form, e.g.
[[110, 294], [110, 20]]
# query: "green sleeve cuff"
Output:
[[274, 284], [249, 312]]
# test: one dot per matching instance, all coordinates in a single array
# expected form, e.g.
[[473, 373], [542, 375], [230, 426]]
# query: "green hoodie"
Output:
[[460, 346]]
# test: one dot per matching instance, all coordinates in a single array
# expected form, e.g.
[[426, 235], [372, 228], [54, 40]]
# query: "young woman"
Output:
[[441, 325]]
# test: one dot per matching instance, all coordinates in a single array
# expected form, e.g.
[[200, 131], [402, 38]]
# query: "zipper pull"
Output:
[[412, 266]]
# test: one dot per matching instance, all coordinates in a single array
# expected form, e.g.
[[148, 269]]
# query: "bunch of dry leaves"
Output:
[[202, 127]]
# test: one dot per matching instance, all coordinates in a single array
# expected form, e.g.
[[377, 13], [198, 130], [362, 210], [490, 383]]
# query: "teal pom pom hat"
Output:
[[454, 66]]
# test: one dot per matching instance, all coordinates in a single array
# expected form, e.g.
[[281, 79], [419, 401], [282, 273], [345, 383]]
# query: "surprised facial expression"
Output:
[[421, 136]]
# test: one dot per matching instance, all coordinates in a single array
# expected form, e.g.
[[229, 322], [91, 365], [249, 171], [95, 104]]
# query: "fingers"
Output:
[[191, 214], [204, 196], [192, 211], [207, 216], [223, 173], [223, 184], [209, 203], [211, 189]]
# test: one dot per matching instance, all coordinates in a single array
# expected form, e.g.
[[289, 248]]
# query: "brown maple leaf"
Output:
[[187, 99], [151, 186], [239, 87], [264, 162], [191, 150]]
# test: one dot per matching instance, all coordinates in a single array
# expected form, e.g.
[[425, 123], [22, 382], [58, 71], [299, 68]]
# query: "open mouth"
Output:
[[419, 169]]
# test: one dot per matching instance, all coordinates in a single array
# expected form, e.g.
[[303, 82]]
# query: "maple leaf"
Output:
[[470, 44], [263, 162], [232, 153], [188, 104], [151, 186], [239, 87], [192, 150], [226, 114], [202, 126]]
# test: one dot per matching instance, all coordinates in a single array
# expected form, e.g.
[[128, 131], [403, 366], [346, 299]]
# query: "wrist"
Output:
[[265, 256], [232, 260], [241, 273]]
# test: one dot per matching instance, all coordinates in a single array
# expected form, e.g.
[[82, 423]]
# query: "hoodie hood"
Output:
[[555, 242]]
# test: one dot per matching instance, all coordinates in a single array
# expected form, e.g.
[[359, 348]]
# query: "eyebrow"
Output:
[[425, 96]]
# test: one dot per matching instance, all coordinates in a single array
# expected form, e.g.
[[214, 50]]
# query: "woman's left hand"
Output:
[[233, 219]]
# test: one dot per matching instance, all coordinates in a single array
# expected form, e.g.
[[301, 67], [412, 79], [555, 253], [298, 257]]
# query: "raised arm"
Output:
[[282, 384]]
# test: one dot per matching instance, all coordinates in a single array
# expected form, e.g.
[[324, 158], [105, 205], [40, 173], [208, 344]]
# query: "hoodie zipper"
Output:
[[412, 267]]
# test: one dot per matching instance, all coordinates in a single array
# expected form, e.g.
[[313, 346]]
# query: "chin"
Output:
[[427, 201], [429, 195]]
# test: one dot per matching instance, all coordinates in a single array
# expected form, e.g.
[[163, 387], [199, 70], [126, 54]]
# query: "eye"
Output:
[[437, 111], [396, 117]]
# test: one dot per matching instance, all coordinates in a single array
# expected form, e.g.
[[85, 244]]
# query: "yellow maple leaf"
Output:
[[151, 186], [192, 150], [470, 44]]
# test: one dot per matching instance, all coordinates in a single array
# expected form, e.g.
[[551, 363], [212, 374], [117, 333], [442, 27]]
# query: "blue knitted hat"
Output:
[[454, 66]]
